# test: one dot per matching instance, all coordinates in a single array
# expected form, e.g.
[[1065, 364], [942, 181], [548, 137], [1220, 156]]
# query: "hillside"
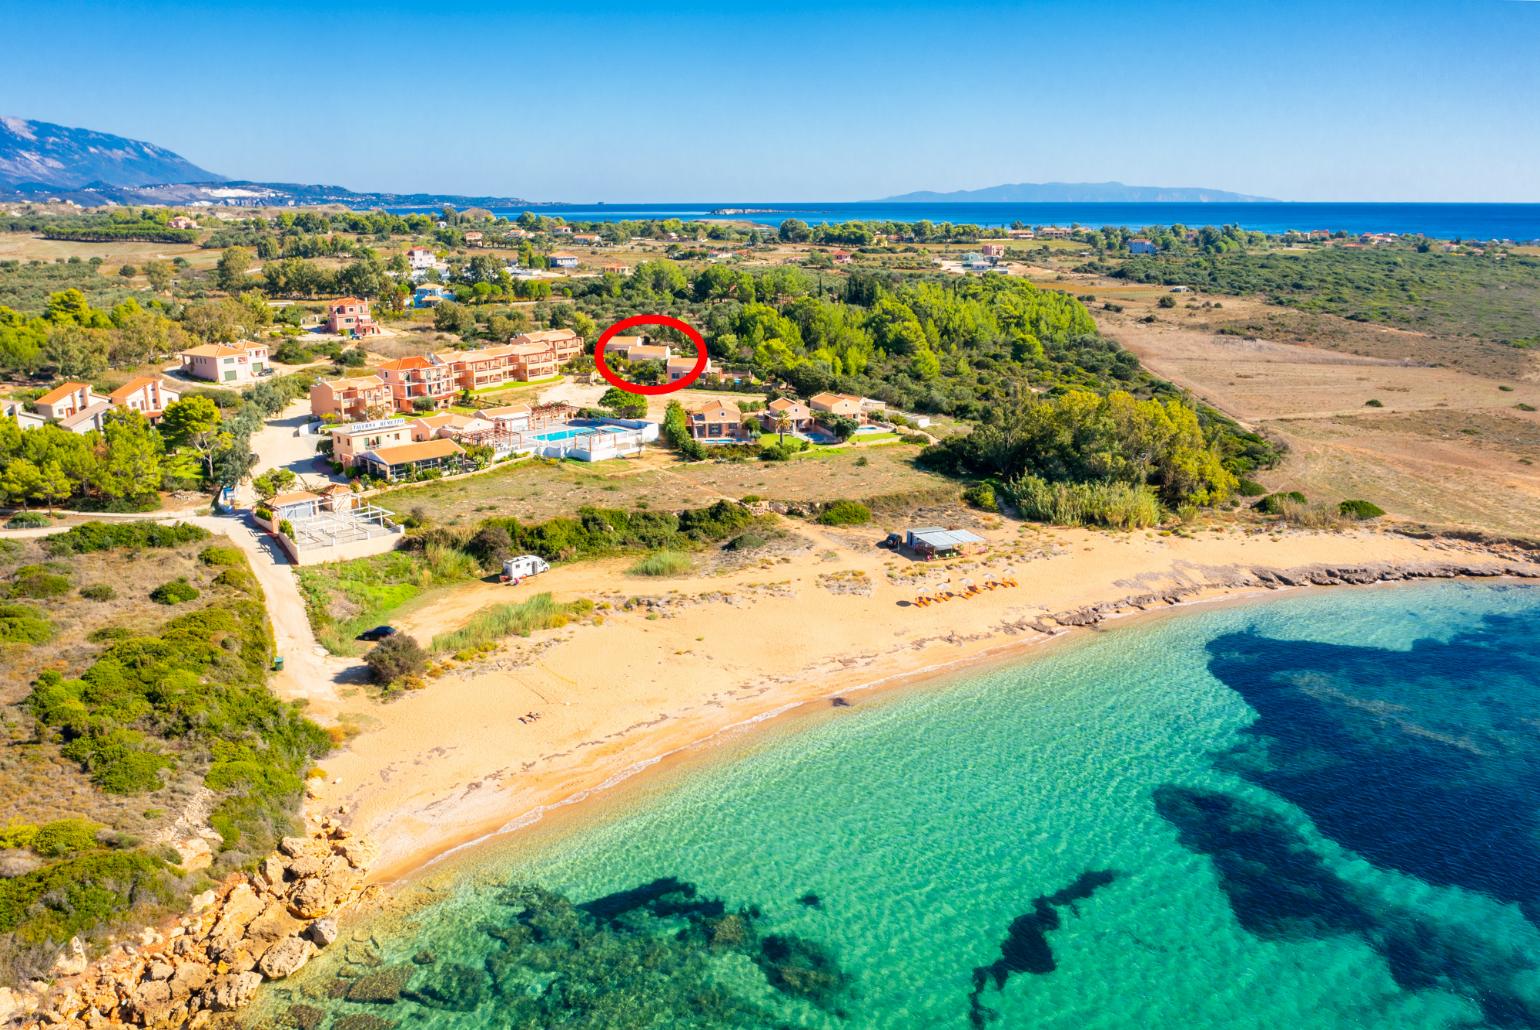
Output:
[[1076, 193], [68, 158]]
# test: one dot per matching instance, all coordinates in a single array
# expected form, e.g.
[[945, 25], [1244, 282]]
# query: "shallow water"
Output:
[[1316, 811]]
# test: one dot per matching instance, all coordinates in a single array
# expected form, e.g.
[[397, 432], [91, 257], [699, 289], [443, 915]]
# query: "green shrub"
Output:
[[286, 528], [982, 496], [675, 432], [64, 837], [37, 581], [221, 556], [1114, 504], [27, 520], [395, 658], [98, 592], [107, 536], [176, 591], [845, 513], [100, 888], [662, 563], [1250, 488], [237, 579], [23, 624], [1355, 509], [109, 634], [1273, 504], [746, 542], [1374, 402], [15, 835]]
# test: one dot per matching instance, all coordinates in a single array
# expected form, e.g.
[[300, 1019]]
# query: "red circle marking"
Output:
[[636, 320]]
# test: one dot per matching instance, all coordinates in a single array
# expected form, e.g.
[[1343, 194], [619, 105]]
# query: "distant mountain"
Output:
[[1076, 193], [40, 161], [45, 154]]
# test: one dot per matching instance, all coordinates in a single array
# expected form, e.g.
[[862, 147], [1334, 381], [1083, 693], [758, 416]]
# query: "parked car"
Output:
[[893, 541], [377, 633]]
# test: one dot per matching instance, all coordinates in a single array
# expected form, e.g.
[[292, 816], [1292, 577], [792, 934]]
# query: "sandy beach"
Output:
[[489, 746]]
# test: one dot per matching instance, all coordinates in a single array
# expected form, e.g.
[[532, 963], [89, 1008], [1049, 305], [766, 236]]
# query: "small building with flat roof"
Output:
[[935, 542]]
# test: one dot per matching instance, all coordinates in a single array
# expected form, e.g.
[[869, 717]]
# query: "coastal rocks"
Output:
[[323, 932], [1091, 616], [233, 991], [313, 897], [73, 961], [285, 958], [252, 928]]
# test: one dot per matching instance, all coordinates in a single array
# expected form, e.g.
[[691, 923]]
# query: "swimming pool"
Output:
[[573, 433]]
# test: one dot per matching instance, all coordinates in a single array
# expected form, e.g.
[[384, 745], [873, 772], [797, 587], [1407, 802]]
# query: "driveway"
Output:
[[309, 673], [283, 443]]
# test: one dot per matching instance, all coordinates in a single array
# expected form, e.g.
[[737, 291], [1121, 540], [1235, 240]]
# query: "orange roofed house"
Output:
[[529, 356], [354, 398], [636, 349], [418, 383], [845, 404], [74, 406], [217, 363], [147, 395], [409, 459], [716, 422], [349, 316], [786, 415]]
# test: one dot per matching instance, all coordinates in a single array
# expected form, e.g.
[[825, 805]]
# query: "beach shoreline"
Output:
[[446, 817]]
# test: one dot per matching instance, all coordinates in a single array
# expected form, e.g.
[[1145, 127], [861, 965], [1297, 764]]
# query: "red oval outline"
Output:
[[650, 391]]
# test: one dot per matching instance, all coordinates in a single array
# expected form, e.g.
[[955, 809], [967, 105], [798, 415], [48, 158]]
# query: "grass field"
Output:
[[536, 490], [27, 247]]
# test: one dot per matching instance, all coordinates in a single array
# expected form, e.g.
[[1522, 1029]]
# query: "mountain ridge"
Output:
[[63, 157], [43, 161], [1076, 193]]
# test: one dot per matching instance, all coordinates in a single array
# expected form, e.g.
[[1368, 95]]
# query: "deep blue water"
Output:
[[1316, 813], [1442, 221]]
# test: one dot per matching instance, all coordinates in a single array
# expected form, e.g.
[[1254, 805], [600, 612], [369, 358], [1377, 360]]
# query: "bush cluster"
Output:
[[110, 536], [845, 513], [176, 591]]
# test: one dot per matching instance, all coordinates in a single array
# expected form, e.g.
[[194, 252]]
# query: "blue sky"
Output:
[[795, 100]]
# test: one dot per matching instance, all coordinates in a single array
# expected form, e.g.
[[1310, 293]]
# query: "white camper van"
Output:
[[515, 569]]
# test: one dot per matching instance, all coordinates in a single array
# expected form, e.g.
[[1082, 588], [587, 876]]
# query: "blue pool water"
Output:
[[1319, 812], [574, 432]]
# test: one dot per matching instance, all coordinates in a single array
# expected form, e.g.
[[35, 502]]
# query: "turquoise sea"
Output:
[[1317, 811], [1519, 222]]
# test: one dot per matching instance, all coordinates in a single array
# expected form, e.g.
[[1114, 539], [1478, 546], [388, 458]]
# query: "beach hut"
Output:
[[935, 542]]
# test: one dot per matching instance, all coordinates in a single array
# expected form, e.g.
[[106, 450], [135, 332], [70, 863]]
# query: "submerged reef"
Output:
[[657, 954], [1279, 888], [1025, 948]]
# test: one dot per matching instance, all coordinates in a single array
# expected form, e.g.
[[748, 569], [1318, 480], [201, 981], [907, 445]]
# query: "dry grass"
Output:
[[26, 247], [533, 491]]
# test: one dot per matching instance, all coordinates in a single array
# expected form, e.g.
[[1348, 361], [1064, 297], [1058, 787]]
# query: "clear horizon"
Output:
[[1422, 101]]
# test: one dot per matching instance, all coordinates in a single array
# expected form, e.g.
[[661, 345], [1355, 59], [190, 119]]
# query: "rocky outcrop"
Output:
[[263, 926], [1304, 576]]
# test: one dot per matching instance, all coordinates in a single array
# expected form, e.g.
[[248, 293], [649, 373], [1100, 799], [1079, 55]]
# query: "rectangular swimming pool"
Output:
[[574, 432]]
